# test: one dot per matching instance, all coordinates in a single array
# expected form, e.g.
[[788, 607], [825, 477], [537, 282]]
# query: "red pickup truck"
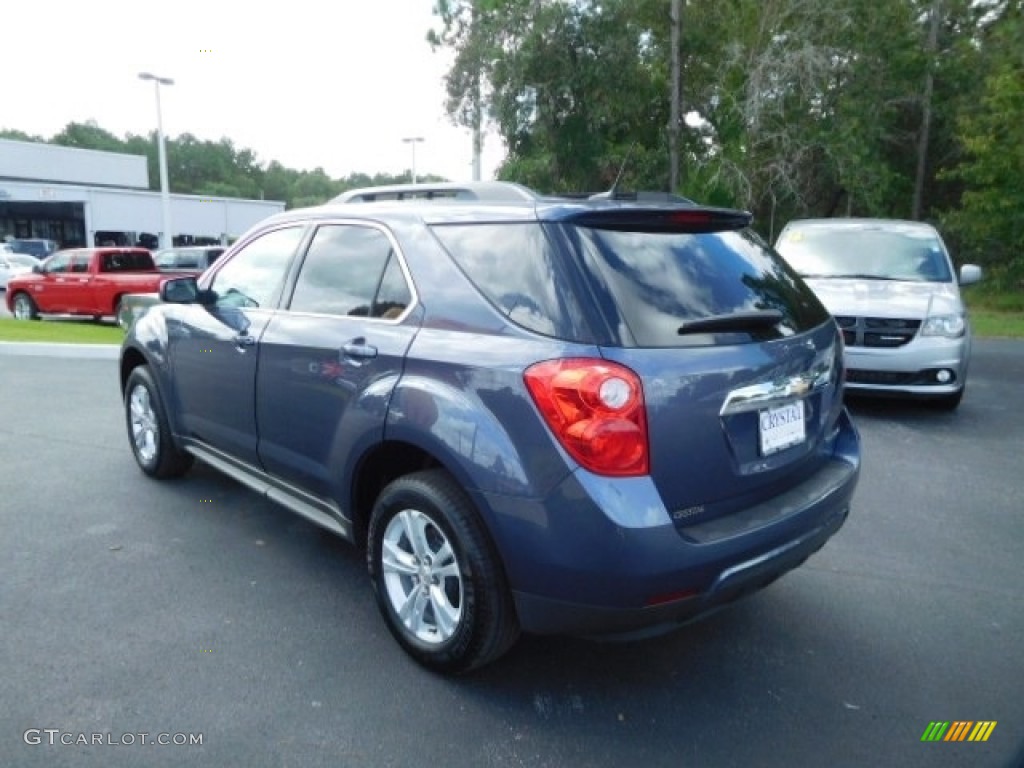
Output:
[[83, 281]]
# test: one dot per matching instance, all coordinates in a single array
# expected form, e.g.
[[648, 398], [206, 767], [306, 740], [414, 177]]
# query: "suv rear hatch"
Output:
[[740, 364]]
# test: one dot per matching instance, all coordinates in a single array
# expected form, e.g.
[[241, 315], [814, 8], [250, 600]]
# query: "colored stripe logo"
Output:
[[958, 730]]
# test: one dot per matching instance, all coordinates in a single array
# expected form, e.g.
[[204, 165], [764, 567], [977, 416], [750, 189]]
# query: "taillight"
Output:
[[596, 410]]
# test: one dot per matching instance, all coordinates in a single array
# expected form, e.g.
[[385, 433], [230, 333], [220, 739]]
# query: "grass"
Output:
[[988, 322], [60, 330], [996, 313]]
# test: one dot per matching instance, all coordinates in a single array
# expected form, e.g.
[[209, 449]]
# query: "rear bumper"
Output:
[[579, 566], [545, 616]]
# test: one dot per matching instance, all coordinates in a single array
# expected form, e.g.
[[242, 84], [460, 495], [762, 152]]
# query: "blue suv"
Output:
[[597, 417]]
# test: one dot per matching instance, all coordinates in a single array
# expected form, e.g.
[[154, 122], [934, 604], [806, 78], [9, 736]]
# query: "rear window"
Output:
[[659, 281], [516, 268]]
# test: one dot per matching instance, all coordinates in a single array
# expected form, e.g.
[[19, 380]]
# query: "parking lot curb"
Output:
[[78, 351]]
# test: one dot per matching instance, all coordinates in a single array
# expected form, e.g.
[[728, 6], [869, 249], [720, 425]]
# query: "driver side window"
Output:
[[254, 276], [58, 263]]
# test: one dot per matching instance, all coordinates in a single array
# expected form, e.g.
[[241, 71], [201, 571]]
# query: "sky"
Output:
[[335, 84]]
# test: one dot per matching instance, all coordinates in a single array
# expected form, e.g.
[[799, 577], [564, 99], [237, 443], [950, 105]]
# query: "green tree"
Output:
[[14, 135], [568, 86], [313, 188], [797, 107], [802, 102], [197, 167], [145, 146], [989, 222], [278, 182], [88, 135]]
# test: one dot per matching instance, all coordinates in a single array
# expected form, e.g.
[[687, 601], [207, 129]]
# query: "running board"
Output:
[[326, 514]]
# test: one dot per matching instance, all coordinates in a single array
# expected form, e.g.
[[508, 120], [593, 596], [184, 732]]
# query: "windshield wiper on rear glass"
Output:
[[736, 321]]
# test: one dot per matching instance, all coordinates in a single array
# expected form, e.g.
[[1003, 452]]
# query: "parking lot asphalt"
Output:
[[130, 606]]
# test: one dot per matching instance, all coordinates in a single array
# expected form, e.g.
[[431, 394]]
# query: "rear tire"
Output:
[[24, 307], [148, 432], [439, 584]]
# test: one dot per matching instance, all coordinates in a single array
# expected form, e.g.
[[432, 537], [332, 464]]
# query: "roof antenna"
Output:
[[612, 193]]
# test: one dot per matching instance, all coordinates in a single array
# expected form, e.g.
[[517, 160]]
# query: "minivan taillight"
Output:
[[596, 410]]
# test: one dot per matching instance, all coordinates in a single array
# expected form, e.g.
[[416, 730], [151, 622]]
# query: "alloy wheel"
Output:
[[422, 576], [22, 307], [144, 425]]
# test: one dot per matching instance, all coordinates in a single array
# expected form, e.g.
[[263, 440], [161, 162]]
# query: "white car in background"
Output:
[[13, 264], [892, 289]]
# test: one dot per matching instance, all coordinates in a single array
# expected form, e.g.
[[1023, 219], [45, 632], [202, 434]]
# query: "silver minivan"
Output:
[[894, 292]]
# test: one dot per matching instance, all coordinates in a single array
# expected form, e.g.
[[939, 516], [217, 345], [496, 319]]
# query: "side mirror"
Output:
[[179, 290], [970, 273]]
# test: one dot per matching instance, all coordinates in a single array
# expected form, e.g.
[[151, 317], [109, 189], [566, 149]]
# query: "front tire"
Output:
[[24, 308], [148, 432], [438, 581]]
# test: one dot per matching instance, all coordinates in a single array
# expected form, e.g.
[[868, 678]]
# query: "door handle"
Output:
[[243, 340], [359, 349]]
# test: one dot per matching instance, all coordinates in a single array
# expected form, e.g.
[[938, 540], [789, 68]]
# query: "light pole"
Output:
[[166, 239], [413, 140]]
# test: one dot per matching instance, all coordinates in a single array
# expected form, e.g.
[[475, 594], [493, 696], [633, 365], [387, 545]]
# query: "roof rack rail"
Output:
[[479, 191]]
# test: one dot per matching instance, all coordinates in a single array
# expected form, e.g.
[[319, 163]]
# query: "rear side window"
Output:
[[659, 281], [125, 261], [516, 268]]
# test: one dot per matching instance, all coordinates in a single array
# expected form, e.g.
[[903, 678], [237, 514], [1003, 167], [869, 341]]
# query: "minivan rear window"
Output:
[[661, 281]]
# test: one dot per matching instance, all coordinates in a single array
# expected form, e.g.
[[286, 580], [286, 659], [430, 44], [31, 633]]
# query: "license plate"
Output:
[[781, 427]]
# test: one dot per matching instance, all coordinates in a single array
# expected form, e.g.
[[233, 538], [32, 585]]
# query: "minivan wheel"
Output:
[[148, 432], [24, 307], [438, 582]]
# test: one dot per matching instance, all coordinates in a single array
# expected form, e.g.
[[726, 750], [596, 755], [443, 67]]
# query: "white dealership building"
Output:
[[80, 197]]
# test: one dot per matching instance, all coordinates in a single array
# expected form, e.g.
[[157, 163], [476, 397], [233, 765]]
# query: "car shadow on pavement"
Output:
[[904, 409]]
